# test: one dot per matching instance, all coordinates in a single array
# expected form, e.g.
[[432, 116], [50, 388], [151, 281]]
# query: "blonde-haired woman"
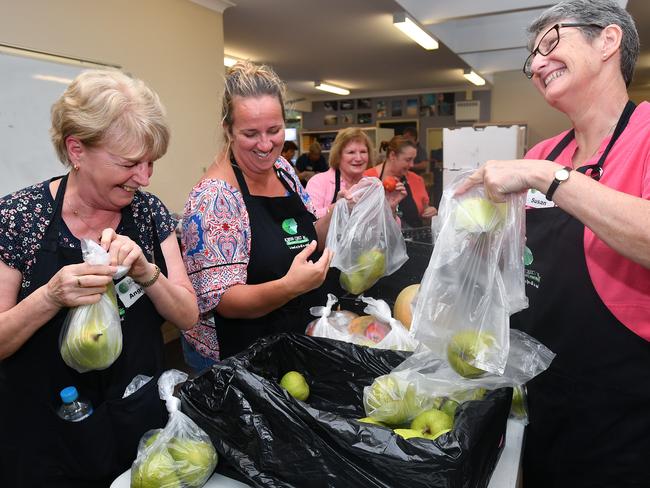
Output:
[[251, 244], [108, 129]]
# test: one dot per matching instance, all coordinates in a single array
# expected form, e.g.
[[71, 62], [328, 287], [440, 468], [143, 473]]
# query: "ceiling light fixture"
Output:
[[56, 79], [229, 61], [472, 77], [404, 23], [331, 88]]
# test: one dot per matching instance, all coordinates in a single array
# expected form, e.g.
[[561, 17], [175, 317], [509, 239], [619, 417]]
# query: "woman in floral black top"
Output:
[[108, 129]]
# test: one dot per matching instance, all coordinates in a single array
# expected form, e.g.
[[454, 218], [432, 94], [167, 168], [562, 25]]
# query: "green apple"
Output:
[[479, 215], [370, 420], [464, 347], [155, 471], [296, 385], [408, 433], [449, 407], [354, 282], [195, 460], [373, 263], [431, 423], [90, 347], [150, 437], [518, 407], [470, 394], [392, 401]]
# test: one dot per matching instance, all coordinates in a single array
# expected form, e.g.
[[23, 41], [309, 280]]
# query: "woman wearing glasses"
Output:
[[588, 252]]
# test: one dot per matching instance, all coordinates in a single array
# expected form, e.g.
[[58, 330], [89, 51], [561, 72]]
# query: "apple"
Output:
[[390, 182], [464, 347], [90, 347], [370, 420], [339, 319], [470, 394], [376, 331], [408, 433], [373, 263], [156, 470], [449, 407], [195, 460], [432, 423], [355, 282], [359, 325], [391, 401], [296, 385], [479, 215], [518, 408], [403, 310]]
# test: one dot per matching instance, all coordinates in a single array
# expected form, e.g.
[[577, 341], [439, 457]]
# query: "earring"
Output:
[[76, 167]]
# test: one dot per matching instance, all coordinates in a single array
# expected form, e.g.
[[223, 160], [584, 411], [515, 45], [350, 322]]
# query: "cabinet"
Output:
[[326, 138]]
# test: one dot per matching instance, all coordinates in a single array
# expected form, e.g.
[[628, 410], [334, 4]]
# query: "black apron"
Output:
[[280, 228], [37, 448], [590, 411], [407, 209]]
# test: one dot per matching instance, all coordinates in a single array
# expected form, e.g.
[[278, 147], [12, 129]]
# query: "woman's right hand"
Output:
[[79, 284], [396, 196], [305, 275]]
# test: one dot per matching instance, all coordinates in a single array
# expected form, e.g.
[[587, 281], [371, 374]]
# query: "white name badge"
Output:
[[536, 199], [128, 291]]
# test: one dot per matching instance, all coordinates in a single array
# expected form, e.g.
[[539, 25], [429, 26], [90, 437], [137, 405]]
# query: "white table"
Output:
[[505, 475]]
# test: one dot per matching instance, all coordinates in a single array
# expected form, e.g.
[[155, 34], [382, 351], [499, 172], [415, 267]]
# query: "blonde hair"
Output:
[[248, 80], [343, 138], [107, 107]]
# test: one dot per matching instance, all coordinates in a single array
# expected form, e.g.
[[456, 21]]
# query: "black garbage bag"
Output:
[[274, 440]]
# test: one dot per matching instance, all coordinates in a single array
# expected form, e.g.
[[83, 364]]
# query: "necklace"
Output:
[[95, 230]]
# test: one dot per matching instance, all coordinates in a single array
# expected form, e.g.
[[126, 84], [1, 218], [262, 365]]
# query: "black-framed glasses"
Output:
[[549, 41]]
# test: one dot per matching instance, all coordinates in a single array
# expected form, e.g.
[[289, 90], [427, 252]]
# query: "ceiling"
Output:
[[352, 43]]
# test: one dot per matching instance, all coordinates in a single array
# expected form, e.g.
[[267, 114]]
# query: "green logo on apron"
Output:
[[528, 257], [290, 226]]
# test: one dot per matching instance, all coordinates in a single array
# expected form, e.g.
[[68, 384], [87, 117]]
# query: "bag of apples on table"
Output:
[[330, 324], [474, 280], [365, 237]]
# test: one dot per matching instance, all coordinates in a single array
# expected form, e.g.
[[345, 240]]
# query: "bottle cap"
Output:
[[69, 394]]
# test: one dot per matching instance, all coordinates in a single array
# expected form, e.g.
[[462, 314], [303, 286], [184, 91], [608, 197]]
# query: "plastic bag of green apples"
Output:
[[475, 278], [419, 398], [377, 329], [91, 336], [181, 455], [365, 237]]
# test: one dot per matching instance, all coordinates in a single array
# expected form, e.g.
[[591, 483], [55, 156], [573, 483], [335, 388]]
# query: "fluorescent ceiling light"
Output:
[[414, 31], [331, 88], [56, 79], [229, 61], [473, 77]]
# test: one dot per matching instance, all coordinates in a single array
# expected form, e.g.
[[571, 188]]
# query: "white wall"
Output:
[[175, 46]]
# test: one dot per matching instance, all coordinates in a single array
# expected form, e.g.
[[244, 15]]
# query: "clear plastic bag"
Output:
[[179, 455], [137, 382], [426, 380], [398, 338], [330, 324], [366, 239], [91, 336], [474, 281]]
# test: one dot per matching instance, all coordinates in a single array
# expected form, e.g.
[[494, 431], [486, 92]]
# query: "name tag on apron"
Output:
[[536, 199], [128, 291]]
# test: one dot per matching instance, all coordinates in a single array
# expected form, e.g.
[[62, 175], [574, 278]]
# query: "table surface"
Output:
[[505, 475]]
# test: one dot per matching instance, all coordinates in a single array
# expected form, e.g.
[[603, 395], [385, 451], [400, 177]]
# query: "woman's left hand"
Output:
[[396, 196], [123, 251], [429, 212]]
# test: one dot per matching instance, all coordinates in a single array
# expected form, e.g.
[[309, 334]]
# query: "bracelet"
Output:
[[152, 280]]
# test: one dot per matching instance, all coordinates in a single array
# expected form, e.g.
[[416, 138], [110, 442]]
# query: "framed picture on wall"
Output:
[[412, 107], [364, 118], [347, 104], [364, 103], [330, 120], [331, 106], [381, 109], [396, 108], [427, 105], [446, 103], [347, 118]]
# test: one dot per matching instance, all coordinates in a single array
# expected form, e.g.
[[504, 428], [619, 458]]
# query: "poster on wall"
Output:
[[446, 103], [364, 103], [381, 109], [364, 118], [347, 118], [347, 105], [412, 107], [396, 108], [330, 120], [427, 105], [331, 106]]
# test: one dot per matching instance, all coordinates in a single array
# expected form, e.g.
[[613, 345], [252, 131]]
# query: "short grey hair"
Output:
[[601, 12]]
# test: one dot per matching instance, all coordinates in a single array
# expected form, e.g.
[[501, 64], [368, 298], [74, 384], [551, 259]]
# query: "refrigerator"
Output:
[[469, 147]]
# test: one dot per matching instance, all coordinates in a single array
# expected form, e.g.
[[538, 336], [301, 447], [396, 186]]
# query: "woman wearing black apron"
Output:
[[40, 257], [587, 266], [249, 231]]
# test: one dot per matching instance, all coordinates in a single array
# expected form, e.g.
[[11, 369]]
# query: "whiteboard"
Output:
[[26, 153]]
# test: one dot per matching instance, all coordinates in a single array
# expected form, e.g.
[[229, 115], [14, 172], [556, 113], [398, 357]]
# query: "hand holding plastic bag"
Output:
[[366, 240], [91, 336], [181, 454], [474, 281]]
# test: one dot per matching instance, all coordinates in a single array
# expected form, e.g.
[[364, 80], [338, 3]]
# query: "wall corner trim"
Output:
[[216, 5]]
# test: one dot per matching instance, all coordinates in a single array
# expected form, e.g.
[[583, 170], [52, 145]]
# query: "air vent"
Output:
[[468, 111]]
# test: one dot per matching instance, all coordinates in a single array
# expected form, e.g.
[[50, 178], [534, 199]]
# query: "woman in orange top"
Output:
[[400, 154]]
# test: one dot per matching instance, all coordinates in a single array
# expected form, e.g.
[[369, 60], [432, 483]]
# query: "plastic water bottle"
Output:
[[73, 409]]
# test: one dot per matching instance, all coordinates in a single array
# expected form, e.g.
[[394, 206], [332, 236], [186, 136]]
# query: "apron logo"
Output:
[[528, 256], [290, 226]]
